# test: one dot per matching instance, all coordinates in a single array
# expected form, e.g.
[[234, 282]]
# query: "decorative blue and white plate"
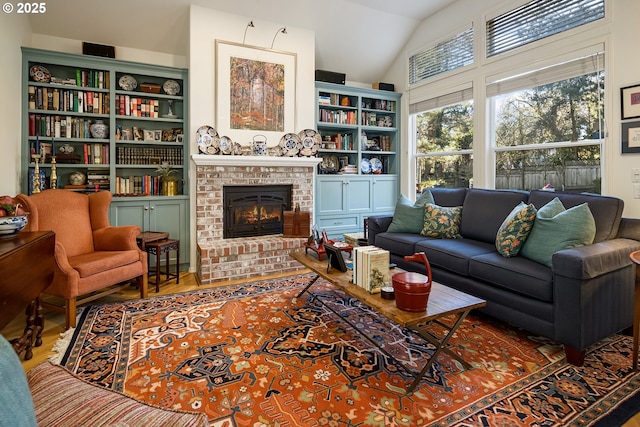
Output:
[[310, 140], [365, 166], [127, 82], [290, 144], [376, 165]]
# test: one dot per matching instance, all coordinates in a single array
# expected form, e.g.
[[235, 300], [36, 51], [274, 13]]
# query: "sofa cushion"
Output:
[[484, 211], [16, 405], [453, 254], [409, 217], [606, 210], [441, 222], [557, 228], [61, 398], [516, 274], [515, 229], [402, 244]]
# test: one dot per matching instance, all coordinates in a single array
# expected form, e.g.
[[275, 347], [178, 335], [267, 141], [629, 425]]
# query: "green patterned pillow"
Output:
[[515, 229], [409, 217], [441, 222], [557, 228]]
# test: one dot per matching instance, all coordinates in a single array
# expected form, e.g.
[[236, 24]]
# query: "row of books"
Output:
[[137, 107], [96, 154], [372, 119], [370, 267], [138, 185], [340, 141], [78, 101], [84, 78], [379, 104], [59, 126], [149, 155], [338, 116]]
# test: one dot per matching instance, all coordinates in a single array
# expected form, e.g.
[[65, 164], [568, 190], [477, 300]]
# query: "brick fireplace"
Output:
[[221, 259]]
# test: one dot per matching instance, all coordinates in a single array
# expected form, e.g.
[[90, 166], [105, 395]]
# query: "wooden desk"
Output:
[[635, 257], [27, 265]]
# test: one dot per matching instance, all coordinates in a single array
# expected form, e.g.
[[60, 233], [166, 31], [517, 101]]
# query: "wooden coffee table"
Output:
[[443, 301]]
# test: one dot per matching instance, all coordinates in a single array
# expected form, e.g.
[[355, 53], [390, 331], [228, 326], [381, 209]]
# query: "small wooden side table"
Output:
[[150, 236], [635, 257], [159, 247]]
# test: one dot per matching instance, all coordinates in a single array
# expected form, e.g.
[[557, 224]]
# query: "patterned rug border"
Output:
[[597, 413]]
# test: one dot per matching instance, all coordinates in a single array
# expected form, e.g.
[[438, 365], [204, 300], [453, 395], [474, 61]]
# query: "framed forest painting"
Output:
[[255, 92]]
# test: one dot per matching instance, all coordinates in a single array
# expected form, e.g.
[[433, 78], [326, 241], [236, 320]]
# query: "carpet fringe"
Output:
[[60, 346]]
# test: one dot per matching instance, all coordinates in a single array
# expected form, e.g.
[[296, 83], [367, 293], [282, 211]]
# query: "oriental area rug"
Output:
[[254, 355]]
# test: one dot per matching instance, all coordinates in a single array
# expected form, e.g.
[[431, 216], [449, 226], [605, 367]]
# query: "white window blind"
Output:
[[447, 55], [442, 101], [578, 67], [539, 19]]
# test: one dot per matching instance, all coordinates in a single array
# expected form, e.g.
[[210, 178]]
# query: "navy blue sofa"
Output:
[[585, 296]]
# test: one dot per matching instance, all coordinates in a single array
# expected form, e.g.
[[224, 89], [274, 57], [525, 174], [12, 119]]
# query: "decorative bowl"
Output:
[[11, 225]]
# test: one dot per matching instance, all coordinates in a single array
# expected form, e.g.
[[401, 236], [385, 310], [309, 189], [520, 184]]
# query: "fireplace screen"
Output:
[[255, 210]]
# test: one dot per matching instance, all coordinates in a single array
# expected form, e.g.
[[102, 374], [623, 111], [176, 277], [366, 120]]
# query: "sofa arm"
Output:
[[376, 225], [116, 238], [590, 261]]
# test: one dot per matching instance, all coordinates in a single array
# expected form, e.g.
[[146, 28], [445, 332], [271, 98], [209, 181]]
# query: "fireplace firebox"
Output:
[[254, 210]]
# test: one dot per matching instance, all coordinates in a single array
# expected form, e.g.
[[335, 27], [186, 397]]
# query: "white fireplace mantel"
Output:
[[220, 160]]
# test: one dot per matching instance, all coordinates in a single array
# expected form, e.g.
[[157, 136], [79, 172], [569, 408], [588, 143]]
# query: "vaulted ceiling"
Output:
[[360, 38]]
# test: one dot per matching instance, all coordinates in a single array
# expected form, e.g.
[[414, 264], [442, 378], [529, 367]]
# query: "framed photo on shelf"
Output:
[[631, 137], [630, 100], [138, 134], [157, 135], [127, 134], [246, 107], [149, 135]]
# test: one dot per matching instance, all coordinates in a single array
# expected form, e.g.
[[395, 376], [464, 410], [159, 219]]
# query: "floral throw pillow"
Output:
[[441, 222], [515, 229]]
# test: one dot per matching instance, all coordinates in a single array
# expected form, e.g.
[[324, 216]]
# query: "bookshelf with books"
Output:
[[358, 175], [118, 120]]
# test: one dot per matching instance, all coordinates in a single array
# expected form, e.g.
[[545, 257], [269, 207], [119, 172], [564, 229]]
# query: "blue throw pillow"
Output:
[[557, 228], [409, 217], [16, 404]]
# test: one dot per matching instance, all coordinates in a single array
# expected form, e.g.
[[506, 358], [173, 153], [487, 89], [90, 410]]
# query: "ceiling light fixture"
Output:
[[282, 30], [250, 24]]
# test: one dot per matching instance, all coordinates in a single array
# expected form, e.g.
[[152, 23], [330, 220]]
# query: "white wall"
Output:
[[207, 25], [16, 32], [619, 34]]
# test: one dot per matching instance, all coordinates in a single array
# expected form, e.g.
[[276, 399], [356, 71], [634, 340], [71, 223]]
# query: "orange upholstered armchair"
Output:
[[90, 254]]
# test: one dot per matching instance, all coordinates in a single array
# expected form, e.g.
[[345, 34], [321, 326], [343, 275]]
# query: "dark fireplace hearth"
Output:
[[254, 210]]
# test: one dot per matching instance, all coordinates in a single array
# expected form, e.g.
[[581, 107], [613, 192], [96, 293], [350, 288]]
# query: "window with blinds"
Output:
[[447, 55], [539, 19]]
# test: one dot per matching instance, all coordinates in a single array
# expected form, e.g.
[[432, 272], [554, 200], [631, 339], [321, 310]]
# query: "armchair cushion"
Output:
[[95, 262]]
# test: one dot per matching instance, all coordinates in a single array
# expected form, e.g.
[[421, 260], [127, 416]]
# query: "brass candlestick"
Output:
[[36, 174], [54, 175]]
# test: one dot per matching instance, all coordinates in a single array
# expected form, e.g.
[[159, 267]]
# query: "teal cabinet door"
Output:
[[385, 194], [169, 215], [331, 197], [359, 194]]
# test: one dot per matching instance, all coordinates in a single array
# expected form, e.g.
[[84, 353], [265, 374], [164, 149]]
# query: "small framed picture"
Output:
[[631, 137], [138, 134], [127, 134], [149, 135], [157, 135], [154, 160], [336, 259], [179, 137], [119, 133], [630, 99]]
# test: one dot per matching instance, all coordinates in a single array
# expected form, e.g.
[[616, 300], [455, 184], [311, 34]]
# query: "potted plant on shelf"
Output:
[[169, 179]]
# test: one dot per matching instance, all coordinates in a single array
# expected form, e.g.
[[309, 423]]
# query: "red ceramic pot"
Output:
[[412, 289]]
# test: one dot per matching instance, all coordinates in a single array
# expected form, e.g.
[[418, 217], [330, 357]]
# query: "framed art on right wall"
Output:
[[631, 137], [630, 100]]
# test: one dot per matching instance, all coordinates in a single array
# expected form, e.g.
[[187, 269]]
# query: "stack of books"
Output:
[[370, 268]]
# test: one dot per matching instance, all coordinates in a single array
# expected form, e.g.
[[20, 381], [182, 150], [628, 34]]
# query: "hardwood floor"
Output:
[[54, 321]]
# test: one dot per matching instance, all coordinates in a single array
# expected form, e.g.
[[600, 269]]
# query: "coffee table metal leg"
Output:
[[440, 346], [308, 286]]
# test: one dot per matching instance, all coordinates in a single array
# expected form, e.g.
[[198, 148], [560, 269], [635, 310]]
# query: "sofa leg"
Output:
[[574, 356]]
